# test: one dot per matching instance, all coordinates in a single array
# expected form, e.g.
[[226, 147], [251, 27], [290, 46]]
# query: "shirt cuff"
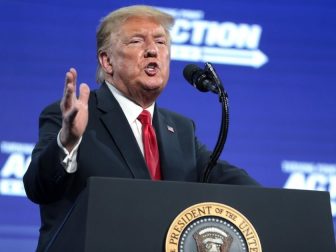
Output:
[[68, 160]]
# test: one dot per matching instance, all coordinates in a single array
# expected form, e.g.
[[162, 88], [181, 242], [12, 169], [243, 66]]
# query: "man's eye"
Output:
[[161, 42], [135, 40]]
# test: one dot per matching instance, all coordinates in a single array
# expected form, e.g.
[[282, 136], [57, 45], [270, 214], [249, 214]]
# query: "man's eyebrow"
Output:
[[161, 34], [140, 35]]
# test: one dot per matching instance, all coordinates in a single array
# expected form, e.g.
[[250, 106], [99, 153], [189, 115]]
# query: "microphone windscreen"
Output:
[[189, 72]]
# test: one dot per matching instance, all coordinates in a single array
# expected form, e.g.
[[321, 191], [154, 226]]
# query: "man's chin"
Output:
[[153, 87]]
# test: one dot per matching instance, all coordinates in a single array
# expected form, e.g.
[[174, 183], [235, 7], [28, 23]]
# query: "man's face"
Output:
[[140, 60]]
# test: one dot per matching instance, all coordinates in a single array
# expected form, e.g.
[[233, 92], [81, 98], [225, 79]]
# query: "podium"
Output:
[[135, 215]]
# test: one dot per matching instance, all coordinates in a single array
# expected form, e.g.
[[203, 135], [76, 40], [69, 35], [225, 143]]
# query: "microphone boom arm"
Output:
[[223, 99]]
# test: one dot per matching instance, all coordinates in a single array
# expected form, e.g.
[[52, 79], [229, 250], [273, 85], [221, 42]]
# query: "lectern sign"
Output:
[[212, 227]]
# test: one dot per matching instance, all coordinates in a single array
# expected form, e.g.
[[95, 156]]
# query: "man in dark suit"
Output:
[[100, 133]]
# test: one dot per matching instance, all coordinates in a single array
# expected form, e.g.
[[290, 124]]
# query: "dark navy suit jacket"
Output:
[[109, 148]]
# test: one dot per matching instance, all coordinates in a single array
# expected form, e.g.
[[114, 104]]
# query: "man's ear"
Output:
[[105, 63]]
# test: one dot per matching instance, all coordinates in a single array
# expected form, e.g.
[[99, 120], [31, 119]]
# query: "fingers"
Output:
[[69, 88], [74, 111], [70, 79], [84, 93]]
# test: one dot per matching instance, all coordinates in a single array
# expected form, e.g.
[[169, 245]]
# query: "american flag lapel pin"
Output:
[[170, 128]]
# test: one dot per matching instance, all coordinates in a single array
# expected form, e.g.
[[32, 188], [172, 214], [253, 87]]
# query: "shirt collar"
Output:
[[130, 109]]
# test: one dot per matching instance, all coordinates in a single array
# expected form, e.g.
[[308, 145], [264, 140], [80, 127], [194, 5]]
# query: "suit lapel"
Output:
[[118, 127], [171, 158]]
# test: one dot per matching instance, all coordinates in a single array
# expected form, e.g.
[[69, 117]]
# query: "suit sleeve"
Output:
[[45, 179]]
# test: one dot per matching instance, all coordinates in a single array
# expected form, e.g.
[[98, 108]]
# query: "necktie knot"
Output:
[[145, 118]]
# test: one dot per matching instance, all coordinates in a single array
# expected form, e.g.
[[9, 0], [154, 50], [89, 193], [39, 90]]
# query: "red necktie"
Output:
[[151, 149]]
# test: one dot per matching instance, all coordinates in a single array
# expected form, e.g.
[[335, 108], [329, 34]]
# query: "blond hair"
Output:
[[110, 25]]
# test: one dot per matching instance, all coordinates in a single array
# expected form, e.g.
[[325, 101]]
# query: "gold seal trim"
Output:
[[206, 209]]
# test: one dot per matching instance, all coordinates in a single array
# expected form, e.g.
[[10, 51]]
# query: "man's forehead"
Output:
[[141, 24]]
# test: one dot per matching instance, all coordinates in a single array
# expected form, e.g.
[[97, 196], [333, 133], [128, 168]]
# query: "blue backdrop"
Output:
[[277, 61]]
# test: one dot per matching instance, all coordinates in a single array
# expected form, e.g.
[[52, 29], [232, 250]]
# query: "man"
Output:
[[99, 133]]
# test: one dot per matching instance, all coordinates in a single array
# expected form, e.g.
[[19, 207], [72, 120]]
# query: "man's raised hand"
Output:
[[74, 110]]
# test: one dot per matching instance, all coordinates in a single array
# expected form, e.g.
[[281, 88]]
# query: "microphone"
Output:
[[199, 78], [207, 80]]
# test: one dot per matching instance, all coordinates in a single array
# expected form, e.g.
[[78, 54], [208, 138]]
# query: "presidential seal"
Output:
[[212, 227]]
